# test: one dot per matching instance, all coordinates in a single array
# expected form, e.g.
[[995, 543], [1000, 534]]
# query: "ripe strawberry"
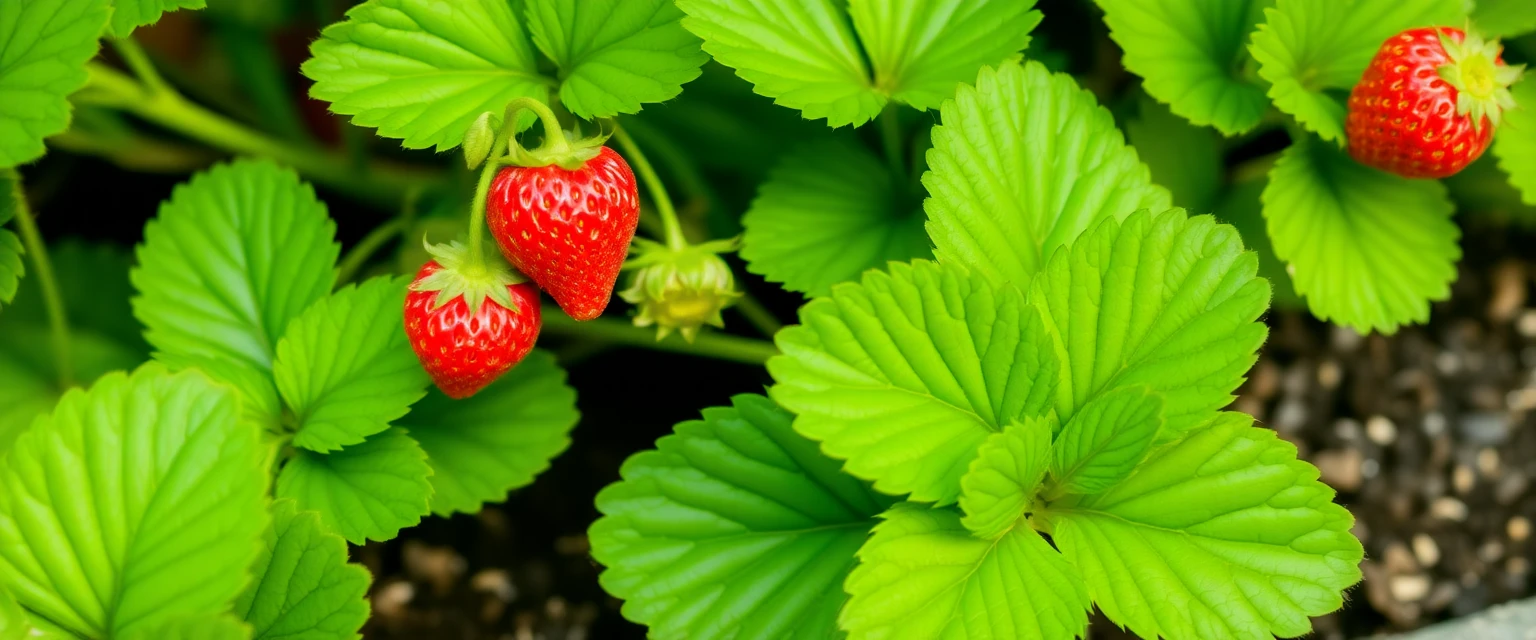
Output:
[[469, 323], [568, 226], [1429, 102]]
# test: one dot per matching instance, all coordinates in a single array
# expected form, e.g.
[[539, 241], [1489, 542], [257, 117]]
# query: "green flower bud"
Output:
[[680, 290]]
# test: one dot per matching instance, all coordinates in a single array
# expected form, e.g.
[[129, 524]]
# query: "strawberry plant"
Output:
[[1004, 401]]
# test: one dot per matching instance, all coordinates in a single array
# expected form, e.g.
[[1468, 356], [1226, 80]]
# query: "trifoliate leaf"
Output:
[[346, 368], [44, 52], [233, 256], [1164, 301], [1503, 18], [1191, 54], [1186, 159], [907, 372], [496, 440], [368, 491], [615, 55], [922, 49], [423, 70], [1367, 249], [1242, 208], [11, 250], [1025, 162], [302, 586], [134, 503], [1105, 441], [128, 15], [922, 575], [207, 626], [734, 527], [1224, 534], [830, 211], [1515, 142], [801, 53], [1003, 479], [1313, 52]]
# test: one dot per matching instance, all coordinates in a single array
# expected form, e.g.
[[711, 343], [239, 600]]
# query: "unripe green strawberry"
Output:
[[1429, 102], [469, 323]]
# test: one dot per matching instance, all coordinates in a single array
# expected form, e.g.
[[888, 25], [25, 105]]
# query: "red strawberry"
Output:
[[469, 323], [567, 228], [1429, 102]]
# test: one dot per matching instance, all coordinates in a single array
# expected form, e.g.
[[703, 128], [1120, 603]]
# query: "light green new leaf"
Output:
[[734, 527], [136, 502], [1004, 477], [830, 211], [368, 491], [497, 440], [1367, 249], [233, 256], [132, 14], [303, 588], [615, 54], [1224, 534], [922, 49], [1105, 441], [906, 373], [42, 61], [1313, 52], [1165, 301], [922, 575], [1515, 143], [15, 624], [11, 267], [423, 70], [1503, 18], [1186, 159], [801, 53], [1025, 162], [207, 626], [1191, 54], [346, 367]]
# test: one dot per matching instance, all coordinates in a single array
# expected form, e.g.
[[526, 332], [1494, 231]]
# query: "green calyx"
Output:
[[680, 290], [1481, 80], [475, 280], [556, 149]]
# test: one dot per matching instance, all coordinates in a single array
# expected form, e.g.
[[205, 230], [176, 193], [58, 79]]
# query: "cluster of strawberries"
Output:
[[470, 318]]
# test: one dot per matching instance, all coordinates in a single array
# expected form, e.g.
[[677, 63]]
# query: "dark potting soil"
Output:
[[1429, 436]]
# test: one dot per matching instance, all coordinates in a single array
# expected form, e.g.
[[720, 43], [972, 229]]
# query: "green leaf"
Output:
[[303, 587], [482, 447], [259, 403], [1312, 52], [1191, 53], [1224, 534], [1367, 249], [233, 256], [368, 491], [906, 373], [136, 502], [15, 624], [801, 53], [1025, 162], [207, 626], [922, 575], [1242, 208], [922, 49], [423, 70], [132, 14], [44, 53], [1105, 441], [346, 368], [1164, 301], [1003, 479], [1503, 18], [615, 54], [829, 212], [1183, 157], [1515, 143], [733, 527], [1485, 193], [11, 250]]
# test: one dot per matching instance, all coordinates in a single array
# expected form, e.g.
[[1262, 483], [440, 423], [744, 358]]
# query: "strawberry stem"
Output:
[[53, 301], [673, 229]]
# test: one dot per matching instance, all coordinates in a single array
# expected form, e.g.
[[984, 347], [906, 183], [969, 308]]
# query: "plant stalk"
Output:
[[757, 314], [358, 256], [674, 229], [709, 345], [53, 299], [890, 138]]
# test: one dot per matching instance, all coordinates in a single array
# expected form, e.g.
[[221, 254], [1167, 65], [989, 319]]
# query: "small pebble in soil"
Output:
[[1518, 528], [1425, 549], [1434, 424], [1341, 469], [1526, 325], [1380, 430], [1448, 508], [1488, 462], [1410, 588], [1462, 479], [1328, 374]]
